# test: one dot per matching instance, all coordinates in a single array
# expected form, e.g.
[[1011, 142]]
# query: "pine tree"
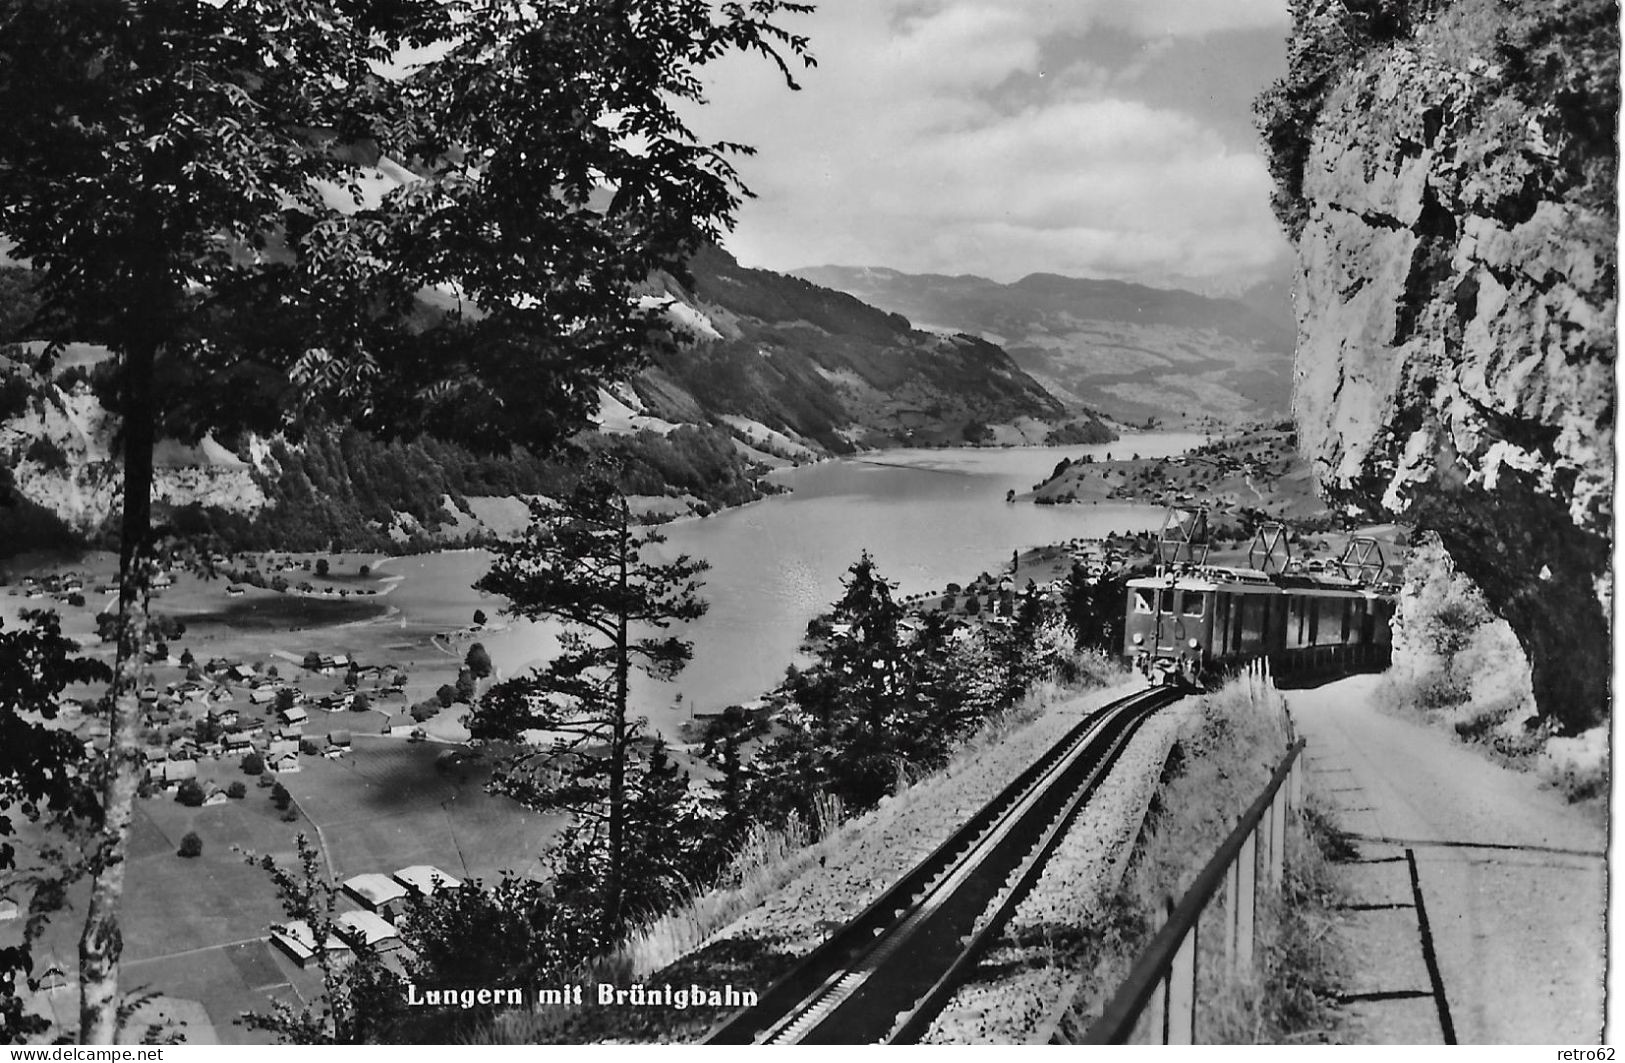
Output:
[[582, 563]]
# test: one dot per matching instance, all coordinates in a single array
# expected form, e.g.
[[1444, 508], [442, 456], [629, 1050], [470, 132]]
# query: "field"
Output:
[[195, 929]]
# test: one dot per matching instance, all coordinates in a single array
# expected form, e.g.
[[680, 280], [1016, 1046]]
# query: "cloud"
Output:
[[943, 136]]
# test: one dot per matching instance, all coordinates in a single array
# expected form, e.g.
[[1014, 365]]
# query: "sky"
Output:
[[1095, 138]]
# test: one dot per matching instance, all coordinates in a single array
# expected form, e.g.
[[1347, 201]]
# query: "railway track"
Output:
[[886, 974]]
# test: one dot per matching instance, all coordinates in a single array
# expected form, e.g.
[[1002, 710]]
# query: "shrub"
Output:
[[309, 748], [190, 793], [280, 797], [237, 790], [252, 764], [359, 703], [191, 844], [366, 570], [479, 618], [478, 661], [290, 816], [447, 694], [321, 566]]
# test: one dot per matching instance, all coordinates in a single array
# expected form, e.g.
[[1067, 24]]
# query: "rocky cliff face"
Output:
[[1448, 175]]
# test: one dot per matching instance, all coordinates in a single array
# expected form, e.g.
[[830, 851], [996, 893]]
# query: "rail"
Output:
[[886, 973], [1162, 986]]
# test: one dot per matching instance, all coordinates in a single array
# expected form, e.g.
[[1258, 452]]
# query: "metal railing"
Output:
[[1161, 989]]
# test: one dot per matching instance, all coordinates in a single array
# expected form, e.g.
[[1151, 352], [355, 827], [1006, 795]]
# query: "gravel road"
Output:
[[1479, 897]]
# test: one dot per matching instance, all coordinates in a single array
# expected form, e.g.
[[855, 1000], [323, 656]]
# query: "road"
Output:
[[1479, 898]]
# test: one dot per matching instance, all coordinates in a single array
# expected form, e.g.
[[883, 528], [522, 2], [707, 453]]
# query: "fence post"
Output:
[[1246, 901], [1277, 838], [1154, 1018], [1232, 913], [1181, 1022]]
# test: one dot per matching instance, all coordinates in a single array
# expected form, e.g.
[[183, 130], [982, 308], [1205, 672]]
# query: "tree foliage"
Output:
[[45, 775]]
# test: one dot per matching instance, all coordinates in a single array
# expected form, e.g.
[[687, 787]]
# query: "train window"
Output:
[[1193, 603], [1145, 600]]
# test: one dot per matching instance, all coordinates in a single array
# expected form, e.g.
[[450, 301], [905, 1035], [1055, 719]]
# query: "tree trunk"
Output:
[[616, 884], [102, 941]]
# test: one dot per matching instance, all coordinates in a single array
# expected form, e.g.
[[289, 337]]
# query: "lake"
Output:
[[929, 517]]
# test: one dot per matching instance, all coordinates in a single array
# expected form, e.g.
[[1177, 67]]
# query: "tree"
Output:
[[864, 711], [360, 703], [446, 695], [313, 661], [252, 764], [42, 773], [286, 699], [210, 229], [321, 566], [479, 618], [237, 790], [280, 797], [582, 563], [191, 844], [478, 661], [190, 793]]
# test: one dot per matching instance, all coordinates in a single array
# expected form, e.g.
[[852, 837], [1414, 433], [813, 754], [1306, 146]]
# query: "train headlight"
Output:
[[1193, 644], [1139, 640]]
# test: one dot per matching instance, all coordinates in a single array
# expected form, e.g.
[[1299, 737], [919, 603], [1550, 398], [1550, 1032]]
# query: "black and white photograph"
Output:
[[845, 522]]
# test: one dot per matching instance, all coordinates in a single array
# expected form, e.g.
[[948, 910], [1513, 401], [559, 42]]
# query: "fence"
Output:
[[1161, 989]]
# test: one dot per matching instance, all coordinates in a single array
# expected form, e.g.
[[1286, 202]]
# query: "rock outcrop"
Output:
[[1448, 174]]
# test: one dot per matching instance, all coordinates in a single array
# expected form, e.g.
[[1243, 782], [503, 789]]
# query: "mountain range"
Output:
[[1130, 351]]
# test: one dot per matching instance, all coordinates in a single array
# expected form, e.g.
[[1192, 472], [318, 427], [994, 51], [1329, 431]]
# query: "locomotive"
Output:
[[1191, 620]]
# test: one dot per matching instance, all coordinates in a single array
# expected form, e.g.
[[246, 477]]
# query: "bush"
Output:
[[359, 703], [191, 844], [252, 764], [479, 618], [309, 748], [321, 566], [280, 797], [446, 694], [290, 816], [366, 570], [190, 793], [478, 661], [237, 790]]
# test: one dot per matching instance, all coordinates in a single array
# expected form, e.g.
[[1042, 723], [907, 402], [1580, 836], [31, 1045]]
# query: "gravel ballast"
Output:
[[1020, 982]]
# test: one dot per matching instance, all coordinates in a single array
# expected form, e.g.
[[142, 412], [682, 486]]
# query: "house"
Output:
[[285, 764], [340, 739], [224, 715], [367, 928], [294, 715], [375, 892], [298, 942], [236, 591], [214, 795], [261, 696], [283, 747], [8, 910], [171, 772], [399, 725], [425, 879], [236, 743], [242, 672], [149, 695]]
